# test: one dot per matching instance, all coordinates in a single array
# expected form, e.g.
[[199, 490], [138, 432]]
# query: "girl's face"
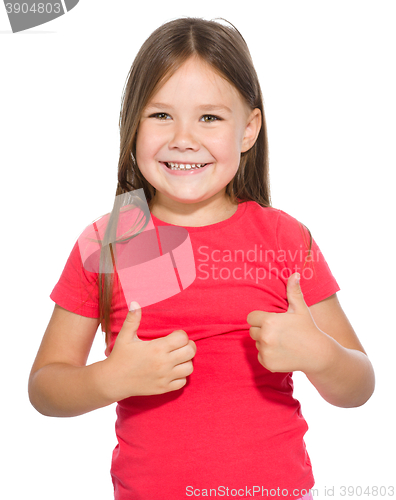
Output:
[[191, 135]]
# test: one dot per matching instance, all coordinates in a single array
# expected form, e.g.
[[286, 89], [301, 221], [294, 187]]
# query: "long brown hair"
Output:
[[166, 49]]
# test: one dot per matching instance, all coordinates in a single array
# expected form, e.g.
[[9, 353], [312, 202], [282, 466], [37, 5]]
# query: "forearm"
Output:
[[347, 378], [63, 390]]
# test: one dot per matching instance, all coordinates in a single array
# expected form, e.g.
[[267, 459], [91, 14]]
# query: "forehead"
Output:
[[198, 82]]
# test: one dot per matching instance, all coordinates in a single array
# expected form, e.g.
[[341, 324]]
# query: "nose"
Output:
[[183, 138]]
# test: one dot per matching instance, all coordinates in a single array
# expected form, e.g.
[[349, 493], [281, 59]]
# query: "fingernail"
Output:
[[133, 306], [298, 278]]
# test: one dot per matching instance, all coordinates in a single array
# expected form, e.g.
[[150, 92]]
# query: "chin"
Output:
[[189, 200]]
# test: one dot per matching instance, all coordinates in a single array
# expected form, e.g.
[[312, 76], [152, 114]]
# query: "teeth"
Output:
[[187, 166]]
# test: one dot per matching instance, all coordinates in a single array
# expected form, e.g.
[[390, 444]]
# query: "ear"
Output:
[[252, 130]]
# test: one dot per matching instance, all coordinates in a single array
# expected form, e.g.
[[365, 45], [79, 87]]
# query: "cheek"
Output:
[[143, 158], [142, 145], [227, 146], [233, 152]]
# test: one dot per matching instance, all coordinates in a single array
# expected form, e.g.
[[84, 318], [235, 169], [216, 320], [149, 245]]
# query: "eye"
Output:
[[160, 116], [210, 118]]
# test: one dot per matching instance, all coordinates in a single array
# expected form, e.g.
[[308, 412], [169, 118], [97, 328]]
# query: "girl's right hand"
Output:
[[143, 368]]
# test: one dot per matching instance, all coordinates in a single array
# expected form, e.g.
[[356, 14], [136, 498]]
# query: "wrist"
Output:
[[112, 379], [324, 355], [108, 386]]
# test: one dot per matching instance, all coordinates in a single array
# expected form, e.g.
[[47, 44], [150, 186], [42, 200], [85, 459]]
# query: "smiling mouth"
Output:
[[184, 166]]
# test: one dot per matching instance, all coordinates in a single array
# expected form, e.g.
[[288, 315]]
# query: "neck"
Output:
[[192, 214]]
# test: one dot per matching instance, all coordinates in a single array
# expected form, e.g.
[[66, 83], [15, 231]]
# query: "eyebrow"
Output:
[[203, 107]]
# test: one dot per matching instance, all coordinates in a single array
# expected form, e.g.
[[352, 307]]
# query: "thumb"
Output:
[[294, 294], [132, 322]]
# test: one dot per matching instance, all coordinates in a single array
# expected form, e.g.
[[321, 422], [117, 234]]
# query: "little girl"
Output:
[[203, 378]]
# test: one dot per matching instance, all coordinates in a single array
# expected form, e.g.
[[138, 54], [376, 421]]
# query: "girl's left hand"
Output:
[[289, 341]]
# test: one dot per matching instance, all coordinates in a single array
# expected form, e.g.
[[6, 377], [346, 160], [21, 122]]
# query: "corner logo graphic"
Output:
[[27, 14]]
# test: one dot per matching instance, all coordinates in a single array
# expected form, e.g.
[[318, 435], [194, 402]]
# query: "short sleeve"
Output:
[[300, 253], [77, 289]]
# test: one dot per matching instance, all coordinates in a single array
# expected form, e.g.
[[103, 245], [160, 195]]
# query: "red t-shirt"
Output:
[[235, 428]]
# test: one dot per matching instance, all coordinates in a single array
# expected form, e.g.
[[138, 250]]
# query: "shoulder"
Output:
[[271, 216], [276, 226]]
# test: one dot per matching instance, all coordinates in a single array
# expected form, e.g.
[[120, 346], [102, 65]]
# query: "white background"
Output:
[[327, 71]]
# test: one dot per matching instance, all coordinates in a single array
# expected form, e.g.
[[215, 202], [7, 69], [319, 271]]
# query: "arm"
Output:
[[318, 341], [61, 385], [347, 376]]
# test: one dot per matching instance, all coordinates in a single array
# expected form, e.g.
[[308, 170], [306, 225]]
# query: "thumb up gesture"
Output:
[[287, 341], [142, 368]]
